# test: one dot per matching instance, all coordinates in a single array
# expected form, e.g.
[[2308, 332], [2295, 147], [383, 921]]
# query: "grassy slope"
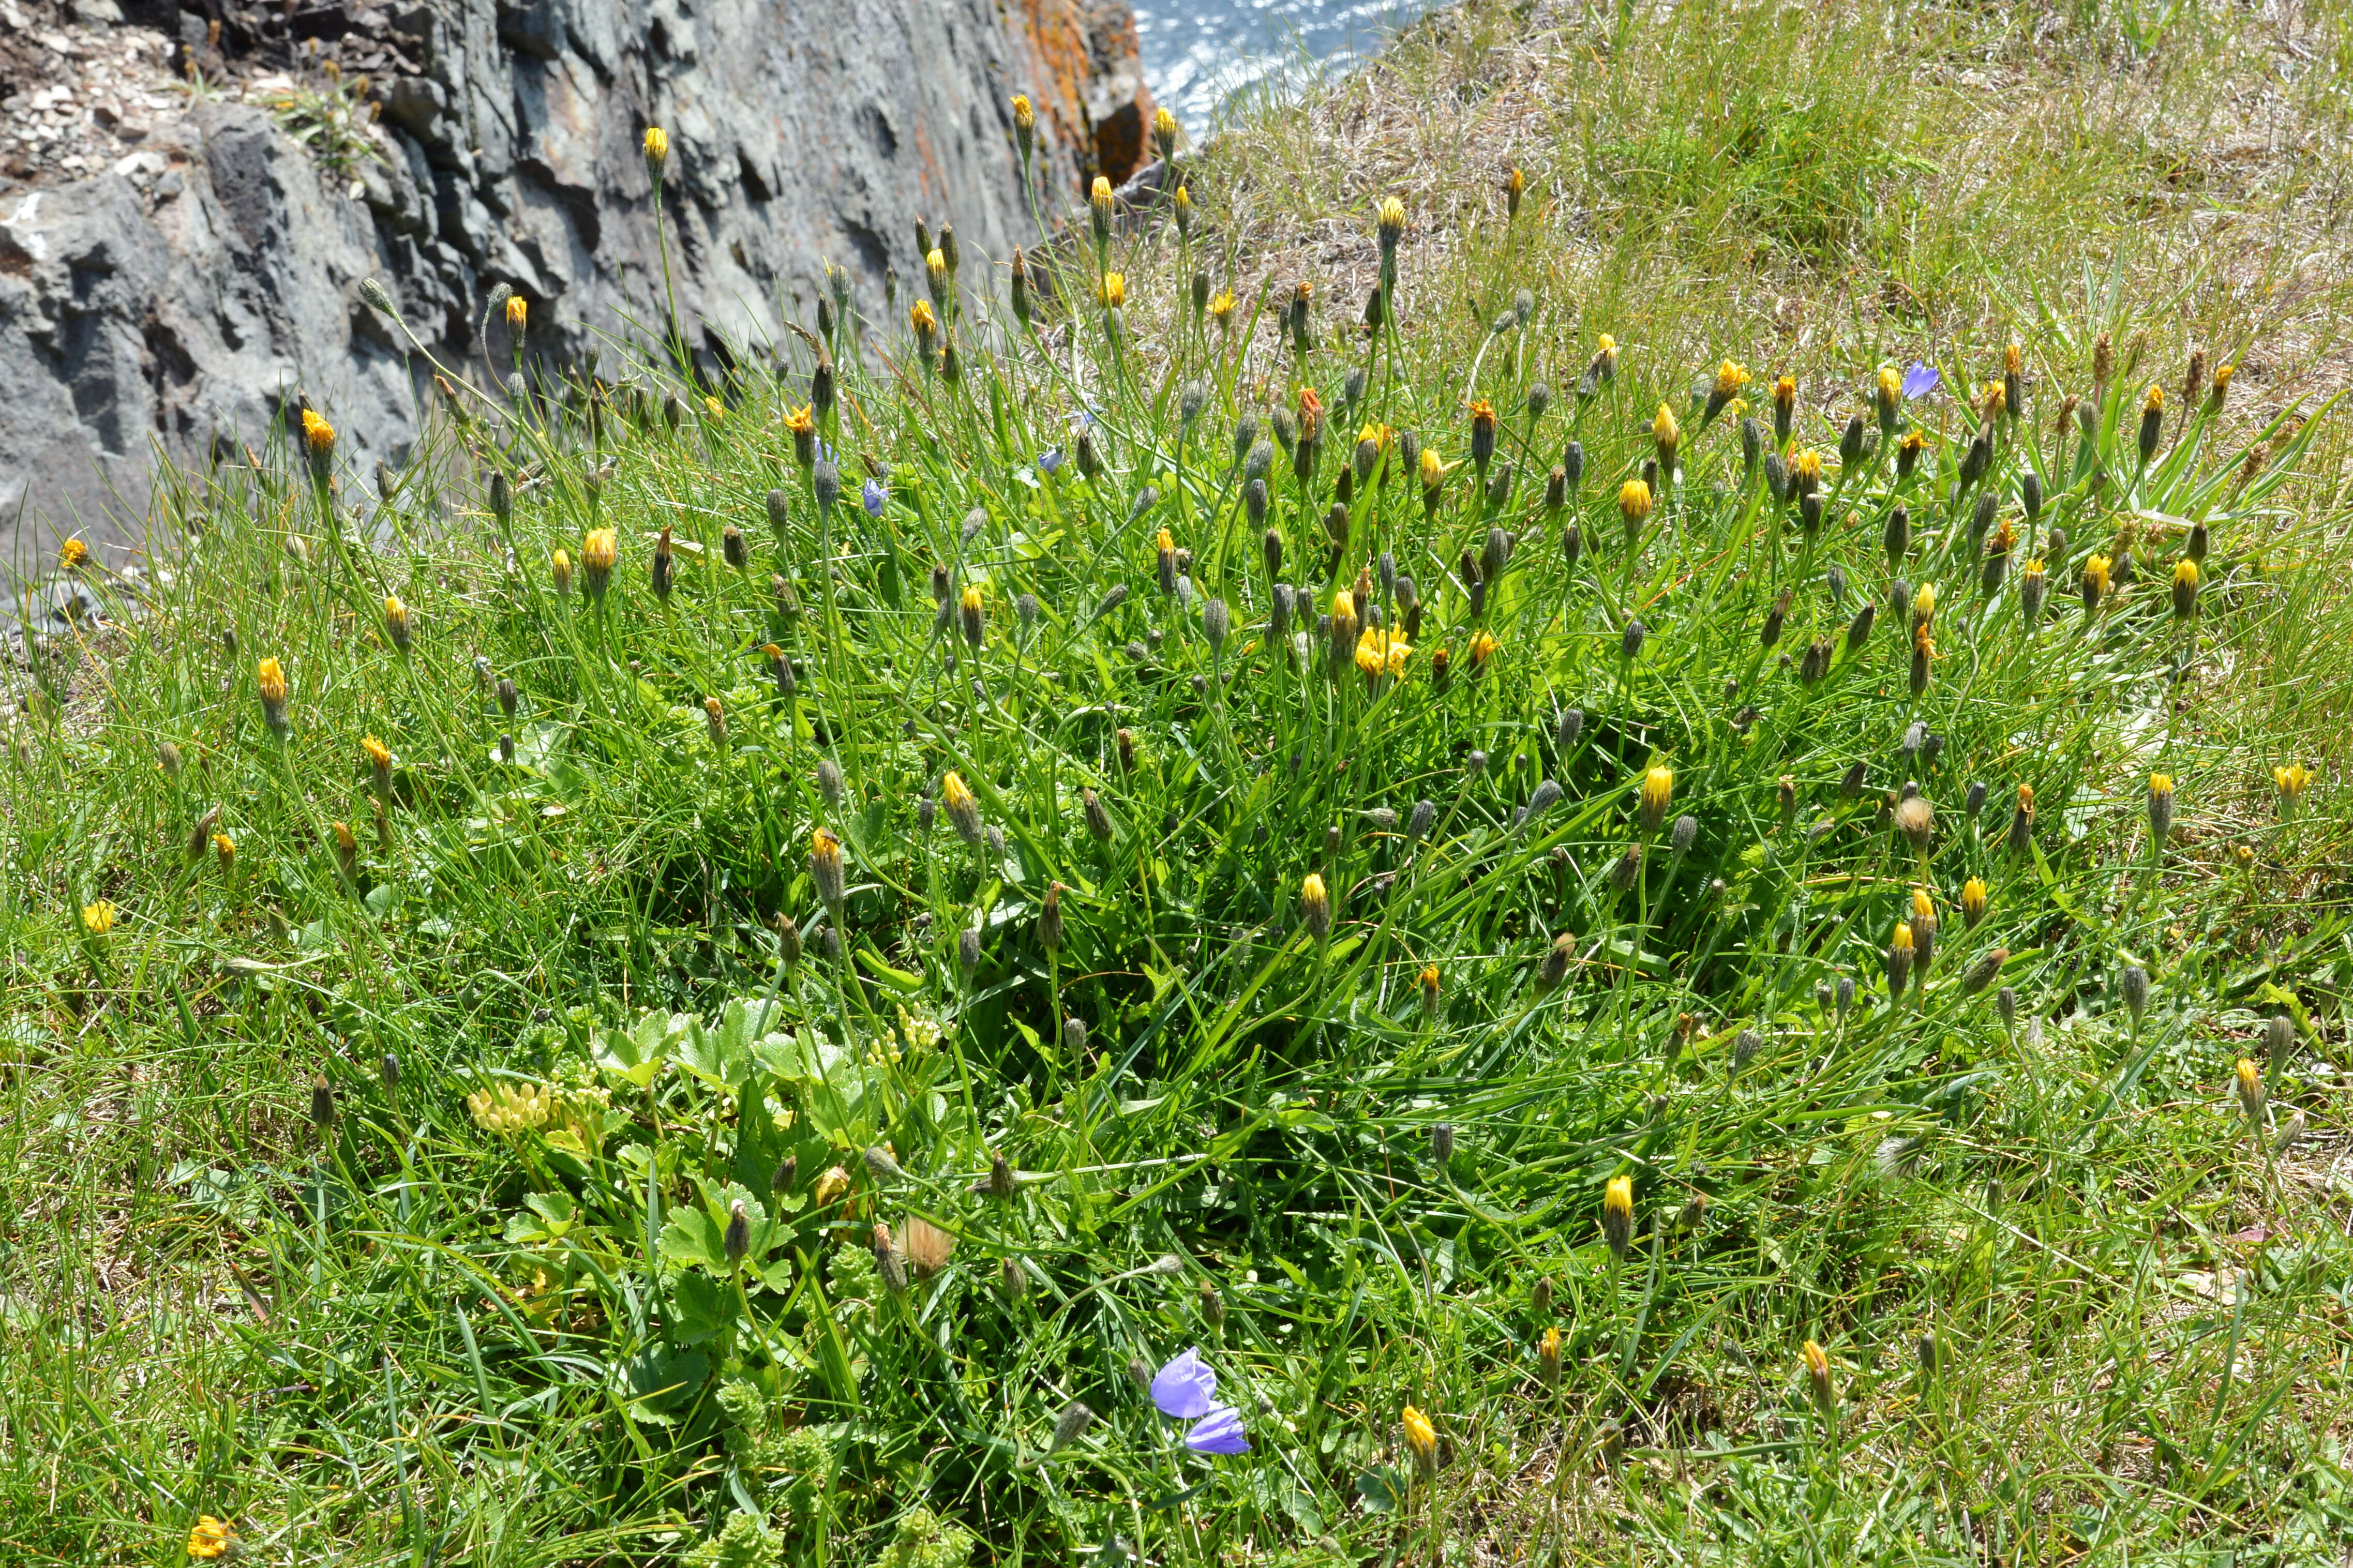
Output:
[[305, 1341]]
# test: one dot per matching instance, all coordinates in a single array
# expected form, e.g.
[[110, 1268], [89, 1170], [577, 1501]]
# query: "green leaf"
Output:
[[1382, 1489], [658, 1379], [896, 979], [703, 1306], [693, 1239]]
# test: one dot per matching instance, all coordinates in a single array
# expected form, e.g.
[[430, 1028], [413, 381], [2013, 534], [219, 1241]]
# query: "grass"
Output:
[[378, 1193]]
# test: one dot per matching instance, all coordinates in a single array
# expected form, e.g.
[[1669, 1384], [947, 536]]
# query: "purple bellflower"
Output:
[[1920, 380], [1219, 1432], [874, 495], [1185, 1389]]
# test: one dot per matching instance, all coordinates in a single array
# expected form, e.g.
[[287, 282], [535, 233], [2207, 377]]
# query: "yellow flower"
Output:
[[2185, 574], [209, 1538], [715, 408], [98, 919], [1099, 195], [971, 602], [1608, 348], [935, 267], [1483, 649], [225, 847], [1391, 220], [1380, 435], [825, 864], [829, 1186], [1924, 908], [1730, 377], [1664, 429], [1420, 1436], [1924, 604], [657, 145], [801, 421], [518, 312], [1434, 472], [1380, 652], [378, 754], [1634, 502], [1806, 467], [1164, 125], [559, 570], [2153, 400], [2222, 373], [1993, 398], [2292, 780], [318, 435], [1891, 386], [1315, 906], [923, 319], [2011, 359], [1618, 1213], [1112, 291], [1344, 606], [1221, 309], [1903, 943], [1973, 900], [1428, 984], [1548, 1355], [72, 553], [1817, 1375], [271, 677], [1024, 116], [1658, 793]]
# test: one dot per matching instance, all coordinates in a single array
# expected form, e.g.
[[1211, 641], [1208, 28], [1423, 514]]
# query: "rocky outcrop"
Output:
[[177, 271]]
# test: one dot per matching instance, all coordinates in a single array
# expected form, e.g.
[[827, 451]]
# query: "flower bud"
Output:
[[1617, 1214]]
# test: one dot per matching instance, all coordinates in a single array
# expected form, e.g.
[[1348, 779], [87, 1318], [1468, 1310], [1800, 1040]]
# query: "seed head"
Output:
[[1983, 972], [2132, 985], [1553, 968], [1916, 820]]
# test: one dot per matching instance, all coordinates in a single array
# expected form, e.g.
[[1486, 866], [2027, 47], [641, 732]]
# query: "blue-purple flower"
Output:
[[1920, 380], [1049, 459], [1185, 1389], [873, 496], [1219, 1432]]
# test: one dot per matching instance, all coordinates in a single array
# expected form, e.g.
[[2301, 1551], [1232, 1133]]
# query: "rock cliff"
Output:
[[192, 192]]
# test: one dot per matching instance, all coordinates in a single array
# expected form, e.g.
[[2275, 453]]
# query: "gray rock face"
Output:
[[178, 316], [208, 281]]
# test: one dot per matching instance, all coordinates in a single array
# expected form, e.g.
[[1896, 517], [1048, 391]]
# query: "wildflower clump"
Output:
[[1409, 800]]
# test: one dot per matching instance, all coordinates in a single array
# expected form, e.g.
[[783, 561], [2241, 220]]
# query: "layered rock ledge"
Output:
[[177, 269]]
